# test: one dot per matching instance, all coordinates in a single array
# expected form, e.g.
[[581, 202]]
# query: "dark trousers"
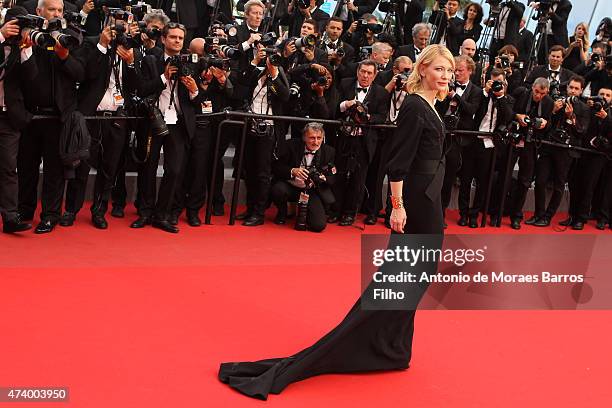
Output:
[[589, 169], [108, 139], [119, 192], [552, 163], [352, 165], [283, 192], [40, 139], [475, 165], [191, 193], [229, 136], [258, 167], [174, 154], [9, 146], [372, 204], [453, 164], [606, 203], [526, 157]]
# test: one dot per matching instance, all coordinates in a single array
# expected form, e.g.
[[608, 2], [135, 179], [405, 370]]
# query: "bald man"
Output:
[[468, 47]]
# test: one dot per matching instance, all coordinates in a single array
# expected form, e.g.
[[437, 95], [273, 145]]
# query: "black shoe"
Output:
[[117, 212], [493, 220], [388, 223], [566, 222], [253, 221], [578, 225], [332, 219], [463, 221], [99, 221], [15, 225], [473, 222], [532, 220], [542, 222], [370, 220], [25, 216], [281, 217], [346, 220], [67, 219], [165, 225], [173, 219], [218, 210], [601, 225], [141, 222], [244, 215], [193, 220], [444, 224], [45, 226], [515, 224]]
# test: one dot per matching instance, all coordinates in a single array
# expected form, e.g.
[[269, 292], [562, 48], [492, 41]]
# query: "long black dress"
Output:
[[367, 340]]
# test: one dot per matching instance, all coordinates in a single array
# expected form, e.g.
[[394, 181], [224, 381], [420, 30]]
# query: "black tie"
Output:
[[253, 31], [364, 90], [310, 152], [554, 74], [458, 85], [416, 51]]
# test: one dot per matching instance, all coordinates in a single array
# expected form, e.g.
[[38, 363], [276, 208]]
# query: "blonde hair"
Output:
[[426, 57], [585, 43]]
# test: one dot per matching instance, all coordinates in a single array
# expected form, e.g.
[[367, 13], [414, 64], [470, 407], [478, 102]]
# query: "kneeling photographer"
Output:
[[591, 166], [570, 122], [304, 170], [532, 111], [111, 80], [173, 95]]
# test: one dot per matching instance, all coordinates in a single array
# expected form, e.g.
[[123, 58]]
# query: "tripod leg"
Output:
[[485, 209], [506, 186]]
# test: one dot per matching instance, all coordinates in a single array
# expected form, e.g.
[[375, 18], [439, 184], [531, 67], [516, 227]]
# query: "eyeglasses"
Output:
[[175, 25]]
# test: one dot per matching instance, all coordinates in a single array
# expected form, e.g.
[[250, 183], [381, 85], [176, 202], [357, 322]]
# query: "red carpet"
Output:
[[142, 318]]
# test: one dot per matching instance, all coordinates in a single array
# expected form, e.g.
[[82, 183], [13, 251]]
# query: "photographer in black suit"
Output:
[[506, 30], [420, 39], [533, 111], [298, 161], [111, 78], [339, 53], [553, 71], [297, 14], [525, 42], [176, 97], [18, 66], [449, 26], [458, 110], [409, 13], [570, 122], [269, 91], [52, 92], [556, 26], [365, 102]]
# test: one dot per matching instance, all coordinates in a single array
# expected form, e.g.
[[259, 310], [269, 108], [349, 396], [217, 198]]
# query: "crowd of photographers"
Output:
[[119, 61]]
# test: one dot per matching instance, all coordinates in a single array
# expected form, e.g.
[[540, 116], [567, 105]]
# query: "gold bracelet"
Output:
[[397, 202]]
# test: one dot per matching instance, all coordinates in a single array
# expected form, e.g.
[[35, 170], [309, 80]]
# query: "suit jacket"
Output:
[[278, 89], [451, 30], [521, 100], [377, 101], [14, 79], [349, 51], [559, 24], [517, 9], [383, 77], [295, 20], [469, 103], [95, 20], [503, 107], [97, 75], [152, 68], [525, 42], [410, 14], [541, 71]]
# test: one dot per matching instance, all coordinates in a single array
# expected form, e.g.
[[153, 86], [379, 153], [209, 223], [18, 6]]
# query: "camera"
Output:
[[303, 4], [153, 33], [295, 91], [212, 43], [187, 64], [497, 86], [230, 52], [308, 41], [595, 58], [139, 10], [123, 37], [229, 29], [442, 3], [268, 39], [400, 80], [555, 90], [358, 113], [273, 56], [601, 143], [532, 124], [45, 33], [147, 107], [120, 15], [365, 52], [599, 103], [362, 25], [312, 183], [387, 5], [315, 77], [505, 63], [510, 133]]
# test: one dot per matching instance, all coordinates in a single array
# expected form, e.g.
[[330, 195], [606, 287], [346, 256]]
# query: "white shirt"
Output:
[[503, 22], [26, 53], [260, 99], [487, 125], [397, 99], [551, 76], [108, 100], [246, 45], [308, 158], [549, 30], [164, 97]]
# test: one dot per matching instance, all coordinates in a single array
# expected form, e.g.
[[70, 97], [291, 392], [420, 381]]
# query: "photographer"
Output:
[[402, 66], [301, 10], [365, 102], [151, 35], [570, 122], [420, 39], [214, 89], [576, 52], [351, 10], [506, 60], [52, 92], [525, 42], [556, 14], [111, 79], [449, 26], [600, 76], [269, 92], [298, 161], [339, 53], [533, 111], [16, 48], [505, 25], [362, 33], [408, 14], [553, 71], [458, 111], [591, 167], [173, 99], [302, 51], [494, 114]]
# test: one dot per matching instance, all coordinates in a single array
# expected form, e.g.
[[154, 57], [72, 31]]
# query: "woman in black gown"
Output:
[[371, 340]]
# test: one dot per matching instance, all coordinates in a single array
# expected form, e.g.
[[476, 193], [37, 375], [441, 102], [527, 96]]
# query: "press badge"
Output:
[[118, 99], [207, 107], [170, 116], [488, 143]]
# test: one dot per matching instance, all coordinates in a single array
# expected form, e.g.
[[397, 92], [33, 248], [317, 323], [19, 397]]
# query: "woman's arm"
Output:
[[398, 214]]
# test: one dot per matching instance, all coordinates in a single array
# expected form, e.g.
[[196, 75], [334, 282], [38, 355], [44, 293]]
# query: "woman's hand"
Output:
[[398, 219]]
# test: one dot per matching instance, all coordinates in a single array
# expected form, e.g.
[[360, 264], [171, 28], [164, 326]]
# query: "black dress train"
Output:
[[368, 340]]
